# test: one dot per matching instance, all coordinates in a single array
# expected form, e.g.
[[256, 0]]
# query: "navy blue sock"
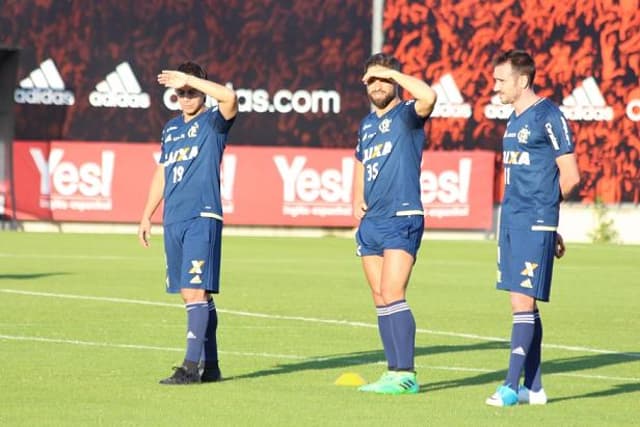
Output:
[[197, 319], [384, 327], [211, 343], [521, 337], [403, 327], [532, 371]]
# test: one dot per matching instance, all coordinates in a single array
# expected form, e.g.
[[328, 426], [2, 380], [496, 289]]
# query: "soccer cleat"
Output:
[[211, 376], [400, 383], [504, 396], [182, 376], [394, 383], [531, 397], [375, 385]]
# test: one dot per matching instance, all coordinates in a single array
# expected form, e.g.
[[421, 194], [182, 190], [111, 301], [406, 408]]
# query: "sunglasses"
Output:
[[372, 80], [188, 93]]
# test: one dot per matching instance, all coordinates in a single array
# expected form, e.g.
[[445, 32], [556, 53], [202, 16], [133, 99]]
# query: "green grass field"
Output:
[[86, 331]]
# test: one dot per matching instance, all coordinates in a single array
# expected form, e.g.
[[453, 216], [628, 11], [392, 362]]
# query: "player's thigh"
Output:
[[201, 255], [526, 262], [396, 271], [172, 236]]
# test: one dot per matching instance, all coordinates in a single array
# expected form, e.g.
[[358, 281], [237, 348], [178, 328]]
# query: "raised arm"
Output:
[[424, 95], [227, 99]]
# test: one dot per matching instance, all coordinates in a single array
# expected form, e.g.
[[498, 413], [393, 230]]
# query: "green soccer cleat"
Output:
[[400, 383], [394, 382], [372, 387]]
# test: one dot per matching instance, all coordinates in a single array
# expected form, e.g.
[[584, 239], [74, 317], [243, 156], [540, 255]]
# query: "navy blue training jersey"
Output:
[[390, 149], [532, 142], [191, 155]]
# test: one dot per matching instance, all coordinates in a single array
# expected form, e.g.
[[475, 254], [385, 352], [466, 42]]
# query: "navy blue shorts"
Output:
[[525, 261], [374, 235], [192, 250]]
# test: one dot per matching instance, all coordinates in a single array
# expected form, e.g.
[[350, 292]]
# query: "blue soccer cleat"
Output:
[[504, 396]]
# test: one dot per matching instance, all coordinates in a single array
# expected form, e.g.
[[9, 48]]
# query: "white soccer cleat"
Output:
[[531, 397]]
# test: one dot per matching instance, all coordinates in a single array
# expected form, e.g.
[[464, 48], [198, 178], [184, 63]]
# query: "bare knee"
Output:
[[389, 296]]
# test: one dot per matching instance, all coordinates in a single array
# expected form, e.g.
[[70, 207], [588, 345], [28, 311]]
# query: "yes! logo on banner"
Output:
[[307, 191], [227, 180], [73, 184]]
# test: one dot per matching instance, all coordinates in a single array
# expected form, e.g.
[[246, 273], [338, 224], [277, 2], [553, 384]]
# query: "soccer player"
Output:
[[387, 203], [540, 170], [188, 179]]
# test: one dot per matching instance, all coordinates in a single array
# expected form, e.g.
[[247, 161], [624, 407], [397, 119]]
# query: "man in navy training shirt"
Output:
[[387, 203], [540, 170], [188, 179]]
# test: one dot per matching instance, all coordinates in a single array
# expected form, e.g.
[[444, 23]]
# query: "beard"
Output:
[[382, 103]]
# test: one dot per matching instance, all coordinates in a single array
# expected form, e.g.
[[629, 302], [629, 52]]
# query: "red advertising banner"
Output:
[[268, 186], [82, 181]]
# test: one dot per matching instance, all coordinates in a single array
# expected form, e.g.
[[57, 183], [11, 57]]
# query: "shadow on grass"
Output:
[[556, 366], [612, 391], [362, 358], [494, 378], [29, 276]]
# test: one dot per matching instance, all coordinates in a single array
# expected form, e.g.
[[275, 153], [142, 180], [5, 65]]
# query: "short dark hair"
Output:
[[384, 60], [521, 62], [193, 69]]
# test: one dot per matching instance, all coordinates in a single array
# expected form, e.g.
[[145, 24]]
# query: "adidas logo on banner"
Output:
[[450, 102], [44, 86], [496, 109], [120, 89], [586, 103]]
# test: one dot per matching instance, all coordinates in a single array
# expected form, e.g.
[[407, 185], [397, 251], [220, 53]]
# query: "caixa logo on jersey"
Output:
[[44, 86], [228, 168], [77, 186], [120, 89], [308, 191]]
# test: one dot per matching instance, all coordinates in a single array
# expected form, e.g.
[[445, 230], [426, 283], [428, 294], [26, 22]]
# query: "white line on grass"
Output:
[[53, 256], [313, 320], [140, 347], [282, 356]]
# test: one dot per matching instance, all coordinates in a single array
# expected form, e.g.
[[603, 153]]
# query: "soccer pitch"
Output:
[[86, 332]]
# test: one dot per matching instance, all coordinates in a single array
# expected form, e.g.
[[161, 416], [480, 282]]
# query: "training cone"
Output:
[[350, 379]]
